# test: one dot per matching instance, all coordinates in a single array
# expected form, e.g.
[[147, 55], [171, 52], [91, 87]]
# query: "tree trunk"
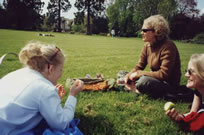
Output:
[[59, 16], [88, 19]]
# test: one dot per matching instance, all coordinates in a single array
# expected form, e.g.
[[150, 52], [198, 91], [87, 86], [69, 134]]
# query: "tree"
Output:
[[23, 14], [79, 18], [144, 9], [54, 9], [168, 8], [128, 15], [185, 24], [178, 26], [120, 15], [113, 15], [93, 8], [187, 7], [2, 16], [47, 25], [100, 25], [202, 22]]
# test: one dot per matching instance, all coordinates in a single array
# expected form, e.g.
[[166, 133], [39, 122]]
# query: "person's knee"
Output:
[[143, 84], [151, 86]]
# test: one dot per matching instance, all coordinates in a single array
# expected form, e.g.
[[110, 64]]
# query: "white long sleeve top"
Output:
[[26, 97]]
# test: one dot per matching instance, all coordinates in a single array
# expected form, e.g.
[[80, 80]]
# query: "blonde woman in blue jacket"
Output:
[[29, 95]]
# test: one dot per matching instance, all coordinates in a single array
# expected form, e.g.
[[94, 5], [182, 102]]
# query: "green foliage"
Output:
[[120, 16], [113, 112], [55, 7], [79, 28], [199, 39], [187, 7], [24, 15], [167, 8], [46, 25], [93, 8], [184, 27], [138, 33], [127, 16]]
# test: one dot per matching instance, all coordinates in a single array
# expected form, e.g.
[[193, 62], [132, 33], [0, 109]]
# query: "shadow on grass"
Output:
[[99, 124], [12, 59]]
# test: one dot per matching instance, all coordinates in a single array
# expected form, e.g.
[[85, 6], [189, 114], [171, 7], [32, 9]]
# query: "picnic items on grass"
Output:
[[120, 80], [93, 84]]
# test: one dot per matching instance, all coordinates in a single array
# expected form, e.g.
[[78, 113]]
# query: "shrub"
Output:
[[103, 34], [138, 34], [79, 28], [72, 32], [199, 39]]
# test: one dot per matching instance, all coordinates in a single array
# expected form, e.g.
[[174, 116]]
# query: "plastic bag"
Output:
[[72, 130]]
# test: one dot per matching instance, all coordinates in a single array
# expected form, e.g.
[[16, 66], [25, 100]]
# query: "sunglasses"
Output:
[[57, 51], [146, 30], [189, 71]]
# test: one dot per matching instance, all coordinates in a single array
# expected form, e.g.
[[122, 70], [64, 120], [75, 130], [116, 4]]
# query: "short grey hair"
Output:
[[159, 24]]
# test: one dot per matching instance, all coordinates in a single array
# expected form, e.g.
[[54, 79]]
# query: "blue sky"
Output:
[[70, 14], [201, 5]]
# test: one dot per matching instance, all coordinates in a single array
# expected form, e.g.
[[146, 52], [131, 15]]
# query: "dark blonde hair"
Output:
[[197, 61], [159, 24], [37, 55]]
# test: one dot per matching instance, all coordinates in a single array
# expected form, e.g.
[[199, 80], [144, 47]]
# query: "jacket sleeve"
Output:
[[52, 111], [167, 59], [142, 60]]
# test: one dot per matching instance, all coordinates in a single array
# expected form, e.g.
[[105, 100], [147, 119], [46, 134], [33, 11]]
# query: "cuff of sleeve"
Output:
[[71, 101], [139, 73]]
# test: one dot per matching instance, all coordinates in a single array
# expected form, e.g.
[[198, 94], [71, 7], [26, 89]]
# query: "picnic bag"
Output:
[[92, 84]]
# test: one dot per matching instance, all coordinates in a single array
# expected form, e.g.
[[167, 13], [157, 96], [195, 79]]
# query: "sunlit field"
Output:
[[104, 113]]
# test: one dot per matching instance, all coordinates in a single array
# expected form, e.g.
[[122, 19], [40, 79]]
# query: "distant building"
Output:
[[66, 24]]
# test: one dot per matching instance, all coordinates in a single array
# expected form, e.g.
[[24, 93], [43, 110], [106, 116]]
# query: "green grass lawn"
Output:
[[104, 113]]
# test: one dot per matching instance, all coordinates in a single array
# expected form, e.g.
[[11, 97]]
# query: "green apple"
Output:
[[168, 106]]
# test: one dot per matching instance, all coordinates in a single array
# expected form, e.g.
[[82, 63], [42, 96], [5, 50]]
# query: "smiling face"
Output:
[[194, 81]]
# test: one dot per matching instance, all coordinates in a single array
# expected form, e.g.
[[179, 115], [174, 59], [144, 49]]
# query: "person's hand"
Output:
[[174, 115], [126, 78], [76, 88], [61, 91], [132, 76]]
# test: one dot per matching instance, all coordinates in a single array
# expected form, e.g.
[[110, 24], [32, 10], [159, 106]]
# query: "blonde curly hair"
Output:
[[198, 64], [159, 24], [37, 55]]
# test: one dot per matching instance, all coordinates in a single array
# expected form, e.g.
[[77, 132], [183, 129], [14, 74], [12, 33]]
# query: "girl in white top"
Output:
[[29, 95]]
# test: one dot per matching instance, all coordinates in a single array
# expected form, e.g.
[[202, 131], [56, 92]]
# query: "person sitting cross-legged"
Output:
[[162, 57]]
